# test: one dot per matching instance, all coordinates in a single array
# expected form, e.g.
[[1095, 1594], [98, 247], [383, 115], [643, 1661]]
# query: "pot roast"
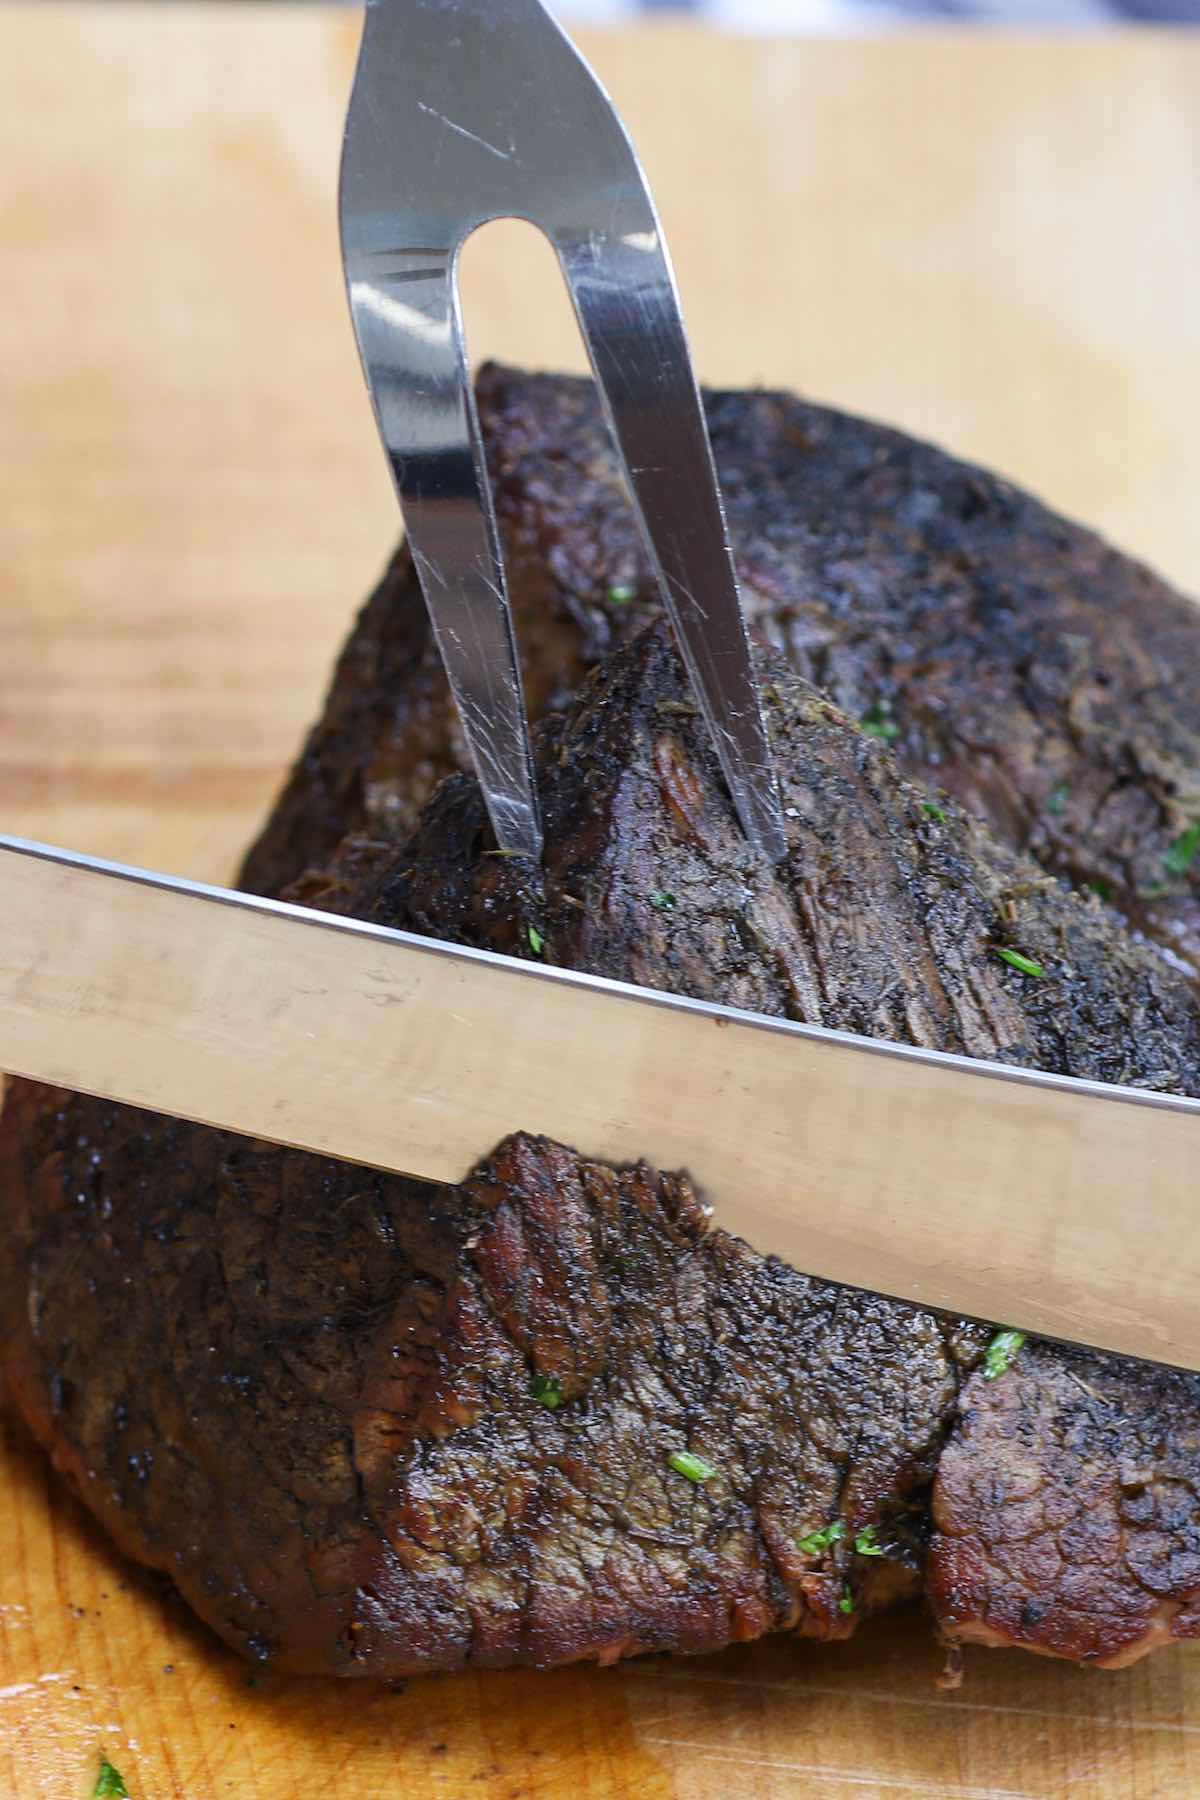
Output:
[[371, 1426]]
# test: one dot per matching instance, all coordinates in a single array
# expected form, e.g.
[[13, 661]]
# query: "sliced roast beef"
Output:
[[1050, 683], [1067, 1509], [372, 1426]]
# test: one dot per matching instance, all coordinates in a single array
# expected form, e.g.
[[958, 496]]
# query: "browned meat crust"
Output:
[[335, 1448], [1043, 678], [883, 919], [1068, 1509], [316, 1396]]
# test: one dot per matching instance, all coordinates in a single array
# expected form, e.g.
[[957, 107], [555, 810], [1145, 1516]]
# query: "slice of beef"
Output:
[[310, 1394], [1047, 681], [369, 1425], [1067, 1508]]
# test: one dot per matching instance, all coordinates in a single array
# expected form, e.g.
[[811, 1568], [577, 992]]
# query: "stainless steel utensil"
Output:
[[466, 111], [1063, 1207]]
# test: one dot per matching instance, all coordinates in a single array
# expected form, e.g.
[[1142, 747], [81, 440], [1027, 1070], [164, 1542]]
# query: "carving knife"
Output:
[[1057, 1206]]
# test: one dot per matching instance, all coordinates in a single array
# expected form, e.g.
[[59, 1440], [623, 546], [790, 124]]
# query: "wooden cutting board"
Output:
[[989, 239]]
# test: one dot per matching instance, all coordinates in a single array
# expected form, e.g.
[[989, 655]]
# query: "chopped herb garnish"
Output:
[[108, 1781], [622, 594], [878, 722], [1016, 959], [664, 902], [846, 1603], [1057, 803], [1184, 851], [865, 1545], [1101, 889], [694, 1468], [935, 811], [547, 1390], [817, 1541], [537, 942], [1000, 1353]]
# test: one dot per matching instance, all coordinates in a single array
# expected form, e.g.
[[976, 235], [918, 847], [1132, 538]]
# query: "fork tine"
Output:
[[628, 308], [413, 348]]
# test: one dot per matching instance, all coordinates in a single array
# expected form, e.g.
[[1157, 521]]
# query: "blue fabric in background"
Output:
[[849, 15]]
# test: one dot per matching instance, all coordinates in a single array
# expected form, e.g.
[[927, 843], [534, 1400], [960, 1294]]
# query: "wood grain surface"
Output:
[[990, 240]]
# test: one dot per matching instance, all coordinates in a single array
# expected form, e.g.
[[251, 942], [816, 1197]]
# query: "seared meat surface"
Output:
[[372, 1426], [311, 1395], [1047, 681], [1067, 1509]]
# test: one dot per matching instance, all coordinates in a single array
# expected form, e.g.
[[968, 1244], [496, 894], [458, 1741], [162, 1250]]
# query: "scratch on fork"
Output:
[[854, 1778], [494, 149], [426, 569]]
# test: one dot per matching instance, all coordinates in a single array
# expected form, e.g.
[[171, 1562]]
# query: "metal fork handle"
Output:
[[465, 111]]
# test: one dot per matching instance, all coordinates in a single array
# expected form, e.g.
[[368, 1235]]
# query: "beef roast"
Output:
[[370, 1426], [1046, 680], [1066, 1507]]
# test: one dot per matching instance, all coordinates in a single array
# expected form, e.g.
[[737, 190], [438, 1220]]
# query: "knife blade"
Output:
[[1058, 1206]]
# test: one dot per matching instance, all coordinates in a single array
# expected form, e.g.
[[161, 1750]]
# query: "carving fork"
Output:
[[466, 111]]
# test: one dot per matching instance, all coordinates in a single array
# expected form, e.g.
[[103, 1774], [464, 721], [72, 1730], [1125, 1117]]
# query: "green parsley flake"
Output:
[[878, 722], [694, 1468], [537, 942], [108, 1781], [1184, 851], [1057, 803], [818, 1541], [547, 1390], [1102, 890], [1017, 960], [846, 1603], [622, 594], [935, 811], [1000, 1353], [865, 1545], [663, 902]]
